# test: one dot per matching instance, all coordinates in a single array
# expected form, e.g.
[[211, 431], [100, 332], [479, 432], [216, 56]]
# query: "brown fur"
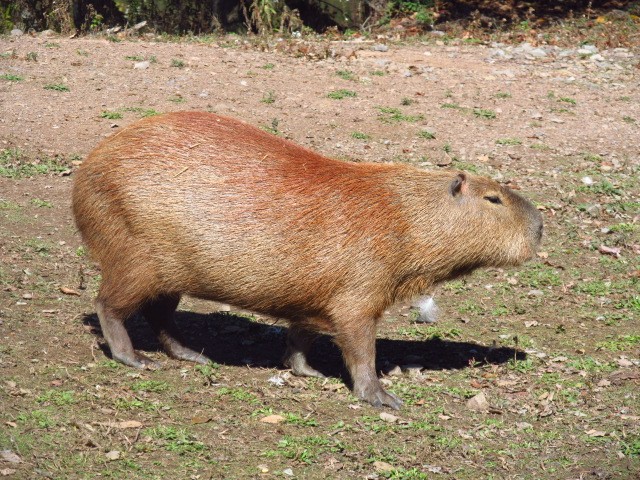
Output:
[[197, 204]]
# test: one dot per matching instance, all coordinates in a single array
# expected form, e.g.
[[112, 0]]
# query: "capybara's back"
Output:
[[202, 205]]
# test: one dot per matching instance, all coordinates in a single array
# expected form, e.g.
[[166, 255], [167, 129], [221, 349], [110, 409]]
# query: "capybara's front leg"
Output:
[[357, 340]]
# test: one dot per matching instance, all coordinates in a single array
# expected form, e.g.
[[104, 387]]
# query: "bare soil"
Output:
[[553, 347]]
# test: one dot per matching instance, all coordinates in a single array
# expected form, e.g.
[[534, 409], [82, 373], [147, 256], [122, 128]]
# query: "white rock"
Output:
[[478, 403], [587, 49], [16, 32], [141, 65]]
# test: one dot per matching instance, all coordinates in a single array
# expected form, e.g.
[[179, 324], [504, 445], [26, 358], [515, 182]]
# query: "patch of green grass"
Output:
[[37, 202], [539, 146], [304, 449], [346, 74], [273, 128], [8, 205], [591, 365], [395, 115], [11, 78], [378, 73], [426, 134], [629, 119], [538, 275], [14, 164], [177, 63], [567, 100], [82, 53], [509, 141], [453, 106], [52, 45], [177, 99], [428, 332], [404, 474], [484, 113], [269, 97], [57, 87], [177, 440], [31, 57], [57, 397], [406, 101], [295, 419], [136, 404], [134, 58], [360, 136], [469, 306], [521, 366], [620, 343], [110, 115], [143, 112], [633, 303], [469, 167], [38, 418], [502, 95], [631, 446], [149, 386], [341, 94], [237, 393], [268, 66]]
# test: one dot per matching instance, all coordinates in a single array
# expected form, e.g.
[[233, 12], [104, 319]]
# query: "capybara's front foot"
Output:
[[377, 396]]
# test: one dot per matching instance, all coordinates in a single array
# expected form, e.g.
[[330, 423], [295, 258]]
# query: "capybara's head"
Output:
[[477, 222]]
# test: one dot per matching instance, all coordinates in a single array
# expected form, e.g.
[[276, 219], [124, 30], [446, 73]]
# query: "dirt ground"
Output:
[[530, 373]]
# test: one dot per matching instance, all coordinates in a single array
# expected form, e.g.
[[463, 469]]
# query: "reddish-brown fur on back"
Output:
[[198, 204]]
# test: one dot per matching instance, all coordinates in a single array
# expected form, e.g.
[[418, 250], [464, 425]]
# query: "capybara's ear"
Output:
[[459, 185]]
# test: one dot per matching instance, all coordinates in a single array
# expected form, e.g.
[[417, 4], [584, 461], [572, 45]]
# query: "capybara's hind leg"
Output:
[[116, 335], [159, 313], [299, 341], [357, 340]]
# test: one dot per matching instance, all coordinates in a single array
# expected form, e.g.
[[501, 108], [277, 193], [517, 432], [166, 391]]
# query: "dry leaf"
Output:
[[5, 472], [595, 433], [129, 424], [387, 417], [199, 420], [615, 251], [69, 291], [272, 419], [9, 456], [383, 466]]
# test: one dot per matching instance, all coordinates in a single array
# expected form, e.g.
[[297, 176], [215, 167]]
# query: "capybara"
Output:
[[198, 204]]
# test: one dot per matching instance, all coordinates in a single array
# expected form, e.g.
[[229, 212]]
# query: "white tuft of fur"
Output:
[[428, 310]]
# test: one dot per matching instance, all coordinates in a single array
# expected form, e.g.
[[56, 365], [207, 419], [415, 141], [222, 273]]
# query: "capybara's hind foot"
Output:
[[175, 350], [137, 360]]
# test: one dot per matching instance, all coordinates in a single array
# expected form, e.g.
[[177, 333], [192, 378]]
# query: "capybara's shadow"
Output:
[[231, 339]]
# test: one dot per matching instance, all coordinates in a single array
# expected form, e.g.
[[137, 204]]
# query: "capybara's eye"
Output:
[[494, 199]]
